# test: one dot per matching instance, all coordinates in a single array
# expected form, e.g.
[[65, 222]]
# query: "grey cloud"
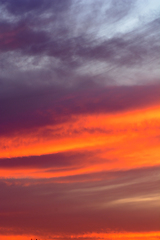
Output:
[[19, 7], [121, 8], [70, 46], [129, 49], [126, 49]]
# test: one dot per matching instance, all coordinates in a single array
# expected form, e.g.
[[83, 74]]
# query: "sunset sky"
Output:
[[79, 119]]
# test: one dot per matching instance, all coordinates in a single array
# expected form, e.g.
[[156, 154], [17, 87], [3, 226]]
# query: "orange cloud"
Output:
[[120, 141], [98, 236]]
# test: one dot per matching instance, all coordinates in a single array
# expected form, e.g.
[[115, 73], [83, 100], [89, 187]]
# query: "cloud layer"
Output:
[[121, 202], [79, 118]]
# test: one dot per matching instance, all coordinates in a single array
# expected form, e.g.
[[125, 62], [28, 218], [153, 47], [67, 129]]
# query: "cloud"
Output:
[[17, 7], [54, 105], [128, 49], [69, 207], [63, 63], [23, 38], [57, 161], [39, 34]]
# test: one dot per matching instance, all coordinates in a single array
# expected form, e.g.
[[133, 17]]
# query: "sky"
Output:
[[79, 119]]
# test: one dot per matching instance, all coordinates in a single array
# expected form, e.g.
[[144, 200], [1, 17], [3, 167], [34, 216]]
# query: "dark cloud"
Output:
[[20, 8], [25, 39], [59, 104], [59, 161]]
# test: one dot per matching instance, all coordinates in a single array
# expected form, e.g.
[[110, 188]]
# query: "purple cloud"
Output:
[[69, 207], [59, 104]]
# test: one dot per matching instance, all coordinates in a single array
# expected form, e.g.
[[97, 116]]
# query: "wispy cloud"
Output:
[[76, 207], [79, 118]]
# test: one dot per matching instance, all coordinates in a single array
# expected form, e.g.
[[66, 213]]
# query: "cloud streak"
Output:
[[79, 119], [76, 200]]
